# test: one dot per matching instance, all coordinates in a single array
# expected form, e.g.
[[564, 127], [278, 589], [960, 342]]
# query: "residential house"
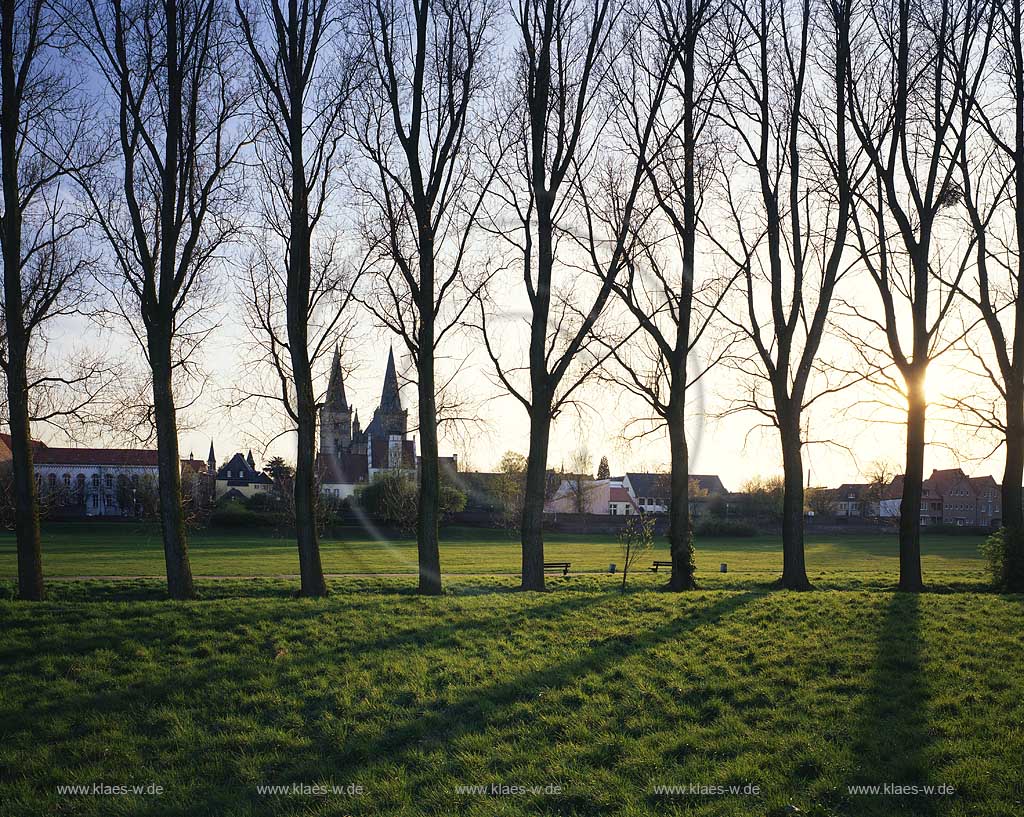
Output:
[[950, 497], [855, 499], [652, 492], [594, 496], [239, 478]]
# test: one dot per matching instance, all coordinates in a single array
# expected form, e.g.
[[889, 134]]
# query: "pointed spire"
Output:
[[355, 422], [250, 461], [336, 386], [212, 457], [390, 402]]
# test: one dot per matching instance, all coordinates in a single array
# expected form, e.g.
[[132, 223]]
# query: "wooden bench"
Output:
[[654, 567], [563, 566]]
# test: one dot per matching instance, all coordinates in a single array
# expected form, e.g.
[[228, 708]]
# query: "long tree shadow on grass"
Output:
[[890, 739], [478, 709], [165, 626], [409, 732]]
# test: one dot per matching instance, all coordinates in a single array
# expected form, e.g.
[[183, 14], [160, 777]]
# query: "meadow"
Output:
[[98, 549], [731, 701], [600, 701]]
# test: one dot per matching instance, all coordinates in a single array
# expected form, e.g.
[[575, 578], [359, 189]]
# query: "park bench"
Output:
[[563, 566], [654, 567]]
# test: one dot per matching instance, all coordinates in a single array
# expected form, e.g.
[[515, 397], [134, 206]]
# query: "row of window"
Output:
[[107, 482], [960, 507]]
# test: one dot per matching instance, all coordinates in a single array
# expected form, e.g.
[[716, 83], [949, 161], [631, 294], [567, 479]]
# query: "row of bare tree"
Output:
[[589, 187]]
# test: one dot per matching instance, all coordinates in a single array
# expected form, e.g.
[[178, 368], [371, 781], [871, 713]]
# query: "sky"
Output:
[[857, 428], [737, 447]]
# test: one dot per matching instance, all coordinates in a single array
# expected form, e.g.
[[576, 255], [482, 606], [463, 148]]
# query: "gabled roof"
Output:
[[650, 485], [195, 465], [620, 495], [5, 441], [241, 472], [659, 485], [984, 483], [858, 489], [96, 456], [941, 481], [711, 483]]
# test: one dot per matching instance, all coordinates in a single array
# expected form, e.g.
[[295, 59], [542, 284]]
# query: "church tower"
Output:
[[335, 413], [389, 418]]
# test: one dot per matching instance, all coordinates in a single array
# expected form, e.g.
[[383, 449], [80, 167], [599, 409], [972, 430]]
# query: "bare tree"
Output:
[[414, 121], [580, 479], [787, 107], [636, 540], [879, 474], [45, 267], [301, 93], [909, 80], [570, 210], [671, 307], [164, 201], [992, 180]]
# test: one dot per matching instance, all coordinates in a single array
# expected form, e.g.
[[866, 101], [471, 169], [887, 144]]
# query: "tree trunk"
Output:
[[679, 537], [428, 518], [1012, 501], [310, 568], [794, 568], [533, 502], [910, 507], [297, 308], [26, 506], [172, 518]]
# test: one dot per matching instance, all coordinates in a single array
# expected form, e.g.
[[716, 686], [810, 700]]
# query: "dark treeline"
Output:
[[574, 189]]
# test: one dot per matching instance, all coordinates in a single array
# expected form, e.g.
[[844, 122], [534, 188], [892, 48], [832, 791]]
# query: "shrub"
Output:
[[994, 550], [635, 540], [234, 514], [264, 501], [392, 499], [724, 527]]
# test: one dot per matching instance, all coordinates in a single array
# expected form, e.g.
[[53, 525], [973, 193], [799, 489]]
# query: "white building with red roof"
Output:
[[595, 496], [98, 481]]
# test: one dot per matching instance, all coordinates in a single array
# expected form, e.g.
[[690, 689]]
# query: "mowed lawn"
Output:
[[395, 702], [98, 549]]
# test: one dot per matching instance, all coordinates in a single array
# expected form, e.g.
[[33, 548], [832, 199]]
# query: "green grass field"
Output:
[[124, 550], [734, 700], [598, 699]]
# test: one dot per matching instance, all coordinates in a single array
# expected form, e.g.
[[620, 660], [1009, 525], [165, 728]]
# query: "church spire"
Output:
[[336, 386], [389, 399]]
